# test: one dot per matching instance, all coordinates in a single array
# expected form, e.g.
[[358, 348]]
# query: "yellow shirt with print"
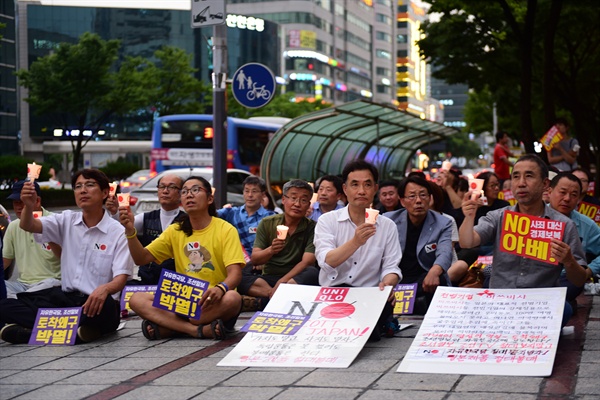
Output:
[[219, 239]]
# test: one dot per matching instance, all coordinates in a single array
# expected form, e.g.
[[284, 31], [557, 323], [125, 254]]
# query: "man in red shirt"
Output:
[[501, 153]]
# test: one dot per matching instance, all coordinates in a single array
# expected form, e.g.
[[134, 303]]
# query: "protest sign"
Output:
[[337, 326], [128, 291], [56, 326], [590, 210], [283, 324], [508, 196], [405, 294], [488, 332], [179, 294], [550, 138], [485, 260], [528, 236]]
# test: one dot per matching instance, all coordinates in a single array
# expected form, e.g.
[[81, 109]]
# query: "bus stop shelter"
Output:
[[322, 142]]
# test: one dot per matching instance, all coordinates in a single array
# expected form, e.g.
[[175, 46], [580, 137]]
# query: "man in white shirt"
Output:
[[352, 252], [95, 262]]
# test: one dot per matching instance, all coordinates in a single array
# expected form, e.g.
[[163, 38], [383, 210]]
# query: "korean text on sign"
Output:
[[551, 137], [405, 298], [179, 294], [590, 210], [281, 324], [530, 237], [128, 291], [56, 326]]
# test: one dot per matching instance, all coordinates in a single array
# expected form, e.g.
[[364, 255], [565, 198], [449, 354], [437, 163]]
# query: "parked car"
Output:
[[137, 179], [51, 184], [145, 197]]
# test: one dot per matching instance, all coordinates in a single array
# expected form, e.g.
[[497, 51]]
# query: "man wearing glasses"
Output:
[[352, 252], [426, 241], [151, 224], [289, 260], [246, 218], [95, 262]]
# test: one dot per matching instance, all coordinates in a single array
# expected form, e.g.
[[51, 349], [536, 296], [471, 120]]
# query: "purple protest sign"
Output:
[[405, 294], [179, 294], [128, 291], [56, 326], [281, 324]]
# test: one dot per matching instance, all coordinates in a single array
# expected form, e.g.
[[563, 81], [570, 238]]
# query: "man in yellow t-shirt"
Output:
[[204, 247]]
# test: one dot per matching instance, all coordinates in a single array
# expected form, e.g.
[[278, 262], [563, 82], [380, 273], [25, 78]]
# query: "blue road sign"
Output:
[[253, 85]]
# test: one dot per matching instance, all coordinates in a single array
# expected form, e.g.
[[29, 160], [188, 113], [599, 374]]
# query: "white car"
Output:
[[145, 197]]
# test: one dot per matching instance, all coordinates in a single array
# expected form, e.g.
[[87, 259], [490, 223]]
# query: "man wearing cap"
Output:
[[95, 262], [37, 265]]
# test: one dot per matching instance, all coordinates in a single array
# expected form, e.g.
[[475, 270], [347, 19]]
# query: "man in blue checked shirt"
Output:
[[246, 218]]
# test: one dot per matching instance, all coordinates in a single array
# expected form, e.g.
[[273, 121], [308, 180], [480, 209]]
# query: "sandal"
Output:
[[221, 335], [149, 324]]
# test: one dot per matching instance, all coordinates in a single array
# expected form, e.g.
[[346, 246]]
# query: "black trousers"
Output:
[[23, 310]]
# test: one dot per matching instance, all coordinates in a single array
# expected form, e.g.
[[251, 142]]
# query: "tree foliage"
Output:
[[82, 85], [282, 105], [535, 59]]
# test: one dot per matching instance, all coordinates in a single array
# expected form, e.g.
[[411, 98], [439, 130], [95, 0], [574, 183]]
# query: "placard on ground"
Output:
[[339, 324], [511, 332]]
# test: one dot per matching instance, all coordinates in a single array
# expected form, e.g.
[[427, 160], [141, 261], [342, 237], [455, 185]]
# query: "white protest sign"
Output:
[[340, 321], [488, 332]]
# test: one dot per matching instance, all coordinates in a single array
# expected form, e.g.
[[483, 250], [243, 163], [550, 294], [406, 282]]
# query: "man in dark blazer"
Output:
[[425, 238]]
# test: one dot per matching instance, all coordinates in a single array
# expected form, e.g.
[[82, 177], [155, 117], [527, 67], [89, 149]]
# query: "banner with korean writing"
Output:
[[282, 324], [179, 294], [508, 196], [550, 138], [405, 294], [338, 324], [488, 332], [528, 236], [590, 210], [56, 326], [128, 291]]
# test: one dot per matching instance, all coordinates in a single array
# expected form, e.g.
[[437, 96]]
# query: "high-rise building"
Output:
[[335, 50], [9, 127]]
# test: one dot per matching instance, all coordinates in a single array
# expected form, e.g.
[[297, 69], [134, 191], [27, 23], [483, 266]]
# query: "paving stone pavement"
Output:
[[127, 366]]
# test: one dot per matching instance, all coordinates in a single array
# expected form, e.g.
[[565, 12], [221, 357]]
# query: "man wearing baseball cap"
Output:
[[37, 263]]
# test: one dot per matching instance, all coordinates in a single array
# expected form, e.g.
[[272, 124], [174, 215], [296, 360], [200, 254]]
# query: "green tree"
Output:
[[176, 90], [76, 86], [282, 105], [537, 59]]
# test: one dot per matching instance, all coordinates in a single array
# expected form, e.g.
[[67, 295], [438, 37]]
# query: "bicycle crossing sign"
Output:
[[253, 85], [208, 12]]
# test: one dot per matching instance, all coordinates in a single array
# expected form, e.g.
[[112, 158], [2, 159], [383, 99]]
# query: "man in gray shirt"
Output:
[[529, 179]]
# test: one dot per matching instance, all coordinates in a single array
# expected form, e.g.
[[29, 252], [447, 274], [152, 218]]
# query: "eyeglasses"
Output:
[[194, 190], [87, 185], [413, 197], [298, 200], [170, 188]]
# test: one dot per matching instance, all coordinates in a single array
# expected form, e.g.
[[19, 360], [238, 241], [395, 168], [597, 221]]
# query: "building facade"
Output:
[[334, 50], [9, 122]]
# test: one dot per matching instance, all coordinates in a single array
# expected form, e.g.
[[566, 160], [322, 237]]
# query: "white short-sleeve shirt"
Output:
[[91, 256]]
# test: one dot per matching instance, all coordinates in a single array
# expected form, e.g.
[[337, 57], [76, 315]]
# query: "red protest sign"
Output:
[[551, 137], [527, 236], [590, 210]]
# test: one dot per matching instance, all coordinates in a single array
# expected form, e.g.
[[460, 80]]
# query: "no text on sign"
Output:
[[208, 12], [253, 85]]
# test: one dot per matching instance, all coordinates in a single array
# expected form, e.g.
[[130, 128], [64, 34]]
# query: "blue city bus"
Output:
[[186, 140]]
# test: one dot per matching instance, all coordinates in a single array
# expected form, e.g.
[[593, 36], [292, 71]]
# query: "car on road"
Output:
[[137, 179], [145, 197]]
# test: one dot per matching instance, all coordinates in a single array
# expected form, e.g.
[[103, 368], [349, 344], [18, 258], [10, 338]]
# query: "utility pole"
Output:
[[219, 114]]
